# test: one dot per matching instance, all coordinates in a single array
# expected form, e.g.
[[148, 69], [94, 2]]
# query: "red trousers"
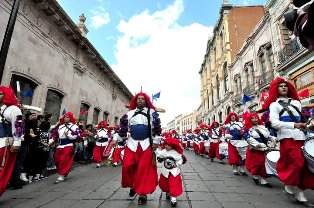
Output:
[[183, 145], [291, 166], [196, 147], [6, 171], [117, 155], [172, 184], [188, 144], [98, 153], [202, 149], [255, 162], [63, 158], [233, 154], [138, 172], [214, 150]]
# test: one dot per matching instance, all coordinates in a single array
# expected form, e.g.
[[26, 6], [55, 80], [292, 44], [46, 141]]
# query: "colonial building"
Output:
[[231, 30], [56, 65], [294, 61], [171, 125], [253, 67], [188, 121]]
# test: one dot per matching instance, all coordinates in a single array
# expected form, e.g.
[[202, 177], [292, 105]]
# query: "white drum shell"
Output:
[[271, 162], [308, 152]]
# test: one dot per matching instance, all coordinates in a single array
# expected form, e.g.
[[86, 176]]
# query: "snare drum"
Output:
[[223, 149], [207, 145], [308, 152], [241, 146], [271, 162]]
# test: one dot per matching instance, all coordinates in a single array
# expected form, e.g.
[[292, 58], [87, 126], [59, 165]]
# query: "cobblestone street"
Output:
[[206, 184]]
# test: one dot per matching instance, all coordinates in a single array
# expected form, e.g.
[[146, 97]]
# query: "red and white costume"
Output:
[[8, 115], [102, 137], [257, 136], [64, 154], [119, 148], [170, 180], [216, 134], [291, 167], [138, 172]]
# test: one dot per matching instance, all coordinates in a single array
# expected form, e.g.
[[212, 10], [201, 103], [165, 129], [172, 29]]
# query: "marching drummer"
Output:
[[285, 116], [257, 135], [102, 136], [216, 134], [236, 146]]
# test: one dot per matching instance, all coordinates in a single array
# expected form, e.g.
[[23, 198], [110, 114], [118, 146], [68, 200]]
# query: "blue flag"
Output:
[[28, 93], [246, 98], [64, 111], [157, 95]]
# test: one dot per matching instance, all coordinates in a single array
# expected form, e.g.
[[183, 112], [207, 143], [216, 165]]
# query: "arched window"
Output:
[[220, 117], [84, 113], [53, 104], [27, 89], [95, 116], [218, 86], [228, 110]]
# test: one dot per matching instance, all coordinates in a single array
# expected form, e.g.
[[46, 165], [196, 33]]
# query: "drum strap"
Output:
[[285, 107], [261, 135]]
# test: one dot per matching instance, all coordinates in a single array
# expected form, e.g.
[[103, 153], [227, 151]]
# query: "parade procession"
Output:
[[124, 109]]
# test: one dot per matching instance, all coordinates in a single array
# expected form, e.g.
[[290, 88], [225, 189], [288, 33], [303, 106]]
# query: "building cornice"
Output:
[[55, 12]]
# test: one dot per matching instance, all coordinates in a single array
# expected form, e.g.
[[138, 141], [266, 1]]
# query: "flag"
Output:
[[64, 111], [264, 96], [28, 93], [157, 95], [304, 93], [83, 112], [246, 98]]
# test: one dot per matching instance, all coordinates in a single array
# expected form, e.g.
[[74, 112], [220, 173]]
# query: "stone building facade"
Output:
[[56, 65], [231, 30]]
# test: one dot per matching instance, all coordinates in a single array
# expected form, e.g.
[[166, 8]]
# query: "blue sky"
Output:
[[157, 44]]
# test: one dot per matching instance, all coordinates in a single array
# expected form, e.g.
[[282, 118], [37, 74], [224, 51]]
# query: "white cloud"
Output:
[[159, 54], [100, 17]]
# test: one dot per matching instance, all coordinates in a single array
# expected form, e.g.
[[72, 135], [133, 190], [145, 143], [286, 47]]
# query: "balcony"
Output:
[[266, 78], [290, 51], [237, 100]]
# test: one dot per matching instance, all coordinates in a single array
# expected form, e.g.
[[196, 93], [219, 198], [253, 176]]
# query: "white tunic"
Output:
[[102, 133], [66, 133], [215, 135], [253, 136], [139, 119], [176, 156], [285, 129], [10, 115]]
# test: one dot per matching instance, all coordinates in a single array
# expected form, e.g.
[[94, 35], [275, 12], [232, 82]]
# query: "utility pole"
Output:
[[7, 36]]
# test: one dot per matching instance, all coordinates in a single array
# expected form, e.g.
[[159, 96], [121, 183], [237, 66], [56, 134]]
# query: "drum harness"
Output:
[[285, 107], [4, 121]]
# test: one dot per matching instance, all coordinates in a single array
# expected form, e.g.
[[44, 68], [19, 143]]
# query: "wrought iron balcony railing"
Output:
[[289, 51]]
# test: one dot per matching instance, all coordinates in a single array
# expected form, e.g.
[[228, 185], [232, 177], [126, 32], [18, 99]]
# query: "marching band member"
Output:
[[257, 135], [11, 134], [139, 170], [234, 132], [286, 117], [203, 137], [102, 136], [170, 180], [214, 142], [67, 132], [119, 147]]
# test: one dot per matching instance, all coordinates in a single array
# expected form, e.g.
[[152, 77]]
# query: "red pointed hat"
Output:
[[248, 123], [215, 122], [203, 126], [228, 119], [149, 104], [273, 92], [70, 115], [105, 125], [174, 144], [9, 96]]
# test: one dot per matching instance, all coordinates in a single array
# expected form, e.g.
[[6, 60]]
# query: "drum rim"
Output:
[[307, 155]]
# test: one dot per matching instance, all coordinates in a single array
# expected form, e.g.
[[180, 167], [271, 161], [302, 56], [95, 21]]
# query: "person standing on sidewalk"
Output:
[[139, 170], [10, 141], [68, 132], [286, 117]]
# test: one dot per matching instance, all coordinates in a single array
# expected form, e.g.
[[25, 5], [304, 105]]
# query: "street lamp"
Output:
[[7, 36]]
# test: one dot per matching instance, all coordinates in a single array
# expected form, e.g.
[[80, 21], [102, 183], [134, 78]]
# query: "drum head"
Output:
[[273, 156], [309, 147]]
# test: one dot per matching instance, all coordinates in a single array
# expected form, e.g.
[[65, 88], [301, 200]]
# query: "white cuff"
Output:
[[17, 143]]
